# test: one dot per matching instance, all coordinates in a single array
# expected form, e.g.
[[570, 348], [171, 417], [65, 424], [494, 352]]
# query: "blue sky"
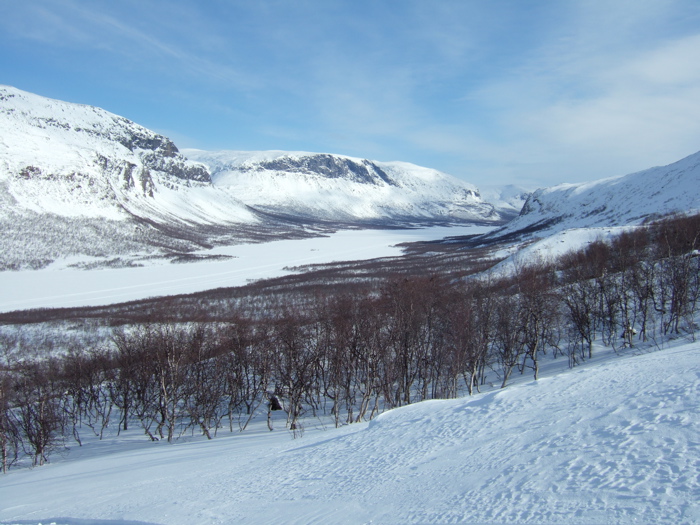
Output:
[[494, 92]]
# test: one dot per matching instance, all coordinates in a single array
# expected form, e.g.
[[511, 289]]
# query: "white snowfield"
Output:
[[614, 441], [61, 285]]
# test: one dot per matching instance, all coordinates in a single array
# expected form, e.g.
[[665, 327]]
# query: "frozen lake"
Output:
[[60, 286]]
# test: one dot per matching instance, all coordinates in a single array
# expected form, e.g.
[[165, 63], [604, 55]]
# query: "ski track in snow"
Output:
[[614, 442]]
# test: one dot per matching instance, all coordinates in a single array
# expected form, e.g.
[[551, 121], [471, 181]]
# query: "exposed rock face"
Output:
[[174, 164], [330, 166], [327, 187], [80, 160]]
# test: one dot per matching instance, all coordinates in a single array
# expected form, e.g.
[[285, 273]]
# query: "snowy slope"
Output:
[[80, 161], [78, 180], [626, 200], [508, 200], [344, 189], [615, 442]]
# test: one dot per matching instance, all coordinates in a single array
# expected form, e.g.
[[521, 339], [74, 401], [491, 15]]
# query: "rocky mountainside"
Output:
[[76, 180], [337, 188], [74, 160]]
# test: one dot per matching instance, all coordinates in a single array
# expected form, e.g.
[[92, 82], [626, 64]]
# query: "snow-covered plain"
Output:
[[614, 441], [61, 285]]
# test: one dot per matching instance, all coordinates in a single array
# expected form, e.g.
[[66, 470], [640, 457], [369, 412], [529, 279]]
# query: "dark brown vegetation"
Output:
[[354, 340]]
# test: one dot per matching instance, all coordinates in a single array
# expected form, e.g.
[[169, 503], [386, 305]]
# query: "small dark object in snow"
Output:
[[275, 403]]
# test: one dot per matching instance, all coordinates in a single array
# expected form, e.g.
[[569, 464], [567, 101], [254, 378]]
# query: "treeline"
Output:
[[352, 355]]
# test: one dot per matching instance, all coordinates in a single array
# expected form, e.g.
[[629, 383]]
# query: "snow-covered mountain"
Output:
[[338, 188], [78, 180], [80, 161], [508, 200], [619, 201]]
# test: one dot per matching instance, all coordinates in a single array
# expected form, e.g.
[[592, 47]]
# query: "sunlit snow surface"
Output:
[[614, 441], [61, 286], [626, 200]]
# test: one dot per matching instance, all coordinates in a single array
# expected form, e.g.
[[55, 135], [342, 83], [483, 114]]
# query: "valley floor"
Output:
[[62, 284], [616, 440]]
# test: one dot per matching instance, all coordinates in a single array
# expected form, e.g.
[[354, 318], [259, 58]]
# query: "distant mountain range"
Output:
[[78, 180], [340, 189], [508, 200]]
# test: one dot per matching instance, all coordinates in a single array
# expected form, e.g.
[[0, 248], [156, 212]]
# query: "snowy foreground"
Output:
[[61, 285], [614, 441]]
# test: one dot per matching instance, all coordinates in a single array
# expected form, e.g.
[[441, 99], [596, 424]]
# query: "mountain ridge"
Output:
[[76, 179], [79, 180], [625, 200], [327, 187]]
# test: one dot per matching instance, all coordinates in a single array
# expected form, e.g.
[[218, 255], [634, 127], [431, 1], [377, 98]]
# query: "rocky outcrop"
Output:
[[325, 165]]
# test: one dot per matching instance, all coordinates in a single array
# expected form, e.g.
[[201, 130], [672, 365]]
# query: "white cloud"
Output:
[[144, 35], [605, 94]]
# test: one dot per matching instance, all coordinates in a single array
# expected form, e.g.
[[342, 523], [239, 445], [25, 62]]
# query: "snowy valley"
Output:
[[288, 337], [79, 181]]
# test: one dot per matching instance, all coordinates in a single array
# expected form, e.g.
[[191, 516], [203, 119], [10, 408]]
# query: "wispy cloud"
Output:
[[128, 30], [538, 91], [634, 110], [597, 93]]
